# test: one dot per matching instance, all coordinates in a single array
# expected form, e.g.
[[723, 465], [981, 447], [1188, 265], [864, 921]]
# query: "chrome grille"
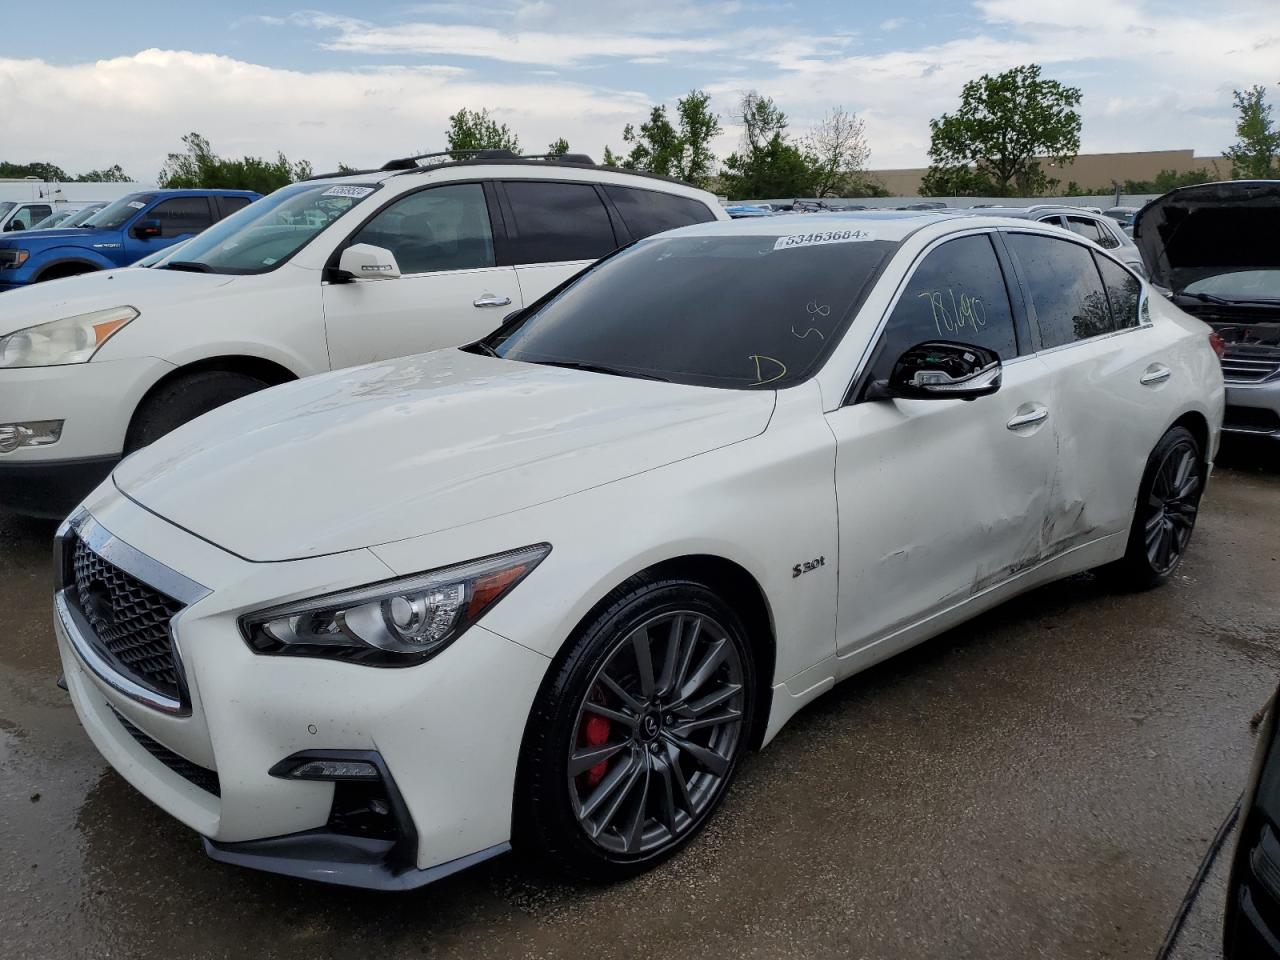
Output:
[[1250, 365], [129, 620]]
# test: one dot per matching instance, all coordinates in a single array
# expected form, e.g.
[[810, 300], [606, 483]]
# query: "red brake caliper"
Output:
[[595, 733]]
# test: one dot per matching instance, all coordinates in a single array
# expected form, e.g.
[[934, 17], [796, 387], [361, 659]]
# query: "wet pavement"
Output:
[[1041, 782]]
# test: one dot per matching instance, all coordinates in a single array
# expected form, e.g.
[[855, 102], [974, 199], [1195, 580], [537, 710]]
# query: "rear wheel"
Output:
[[632, 746], [1165, 515], [182, 400]]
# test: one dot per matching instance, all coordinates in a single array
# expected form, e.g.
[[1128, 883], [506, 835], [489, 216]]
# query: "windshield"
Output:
[[271, 230], [81, 216], [115, 215], [52, 220], [6, 206], [744, 312], [1239, 285]]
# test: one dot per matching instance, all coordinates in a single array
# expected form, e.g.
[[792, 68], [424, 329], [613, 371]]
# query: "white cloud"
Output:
[[133, 110], [1152, 77], [893, 23]]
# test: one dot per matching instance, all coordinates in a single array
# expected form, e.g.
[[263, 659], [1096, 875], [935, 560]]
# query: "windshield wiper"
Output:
[[1229, 301], [600, 368], [191, 266], [481, 347]]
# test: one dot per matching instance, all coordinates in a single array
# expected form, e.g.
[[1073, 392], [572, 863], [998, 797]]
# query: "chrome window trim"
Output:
[[138, 565]]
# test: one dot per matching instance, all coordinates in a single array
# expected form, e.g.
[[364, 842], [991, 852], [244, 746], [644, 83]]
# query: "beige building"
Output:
[[1095, 172]]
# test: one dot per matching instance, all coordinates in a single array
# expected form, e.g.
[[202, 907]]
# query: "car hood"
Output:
[[1209, 229], [141, 289], [58, 235], [409, 447]]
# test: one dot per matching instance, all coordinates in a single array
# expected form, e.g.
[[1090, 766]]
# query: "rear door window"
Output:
[[646, 212], [1124, 292], [230, 205], [1093, 230], [555, 222], [181, 216], [442, 228], [1066, 290], [957, 293]]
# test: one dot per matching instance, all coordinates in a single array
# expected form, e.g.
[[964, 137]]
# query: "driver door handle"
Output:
[[490, 300], [1038, 415], [1156, 373]]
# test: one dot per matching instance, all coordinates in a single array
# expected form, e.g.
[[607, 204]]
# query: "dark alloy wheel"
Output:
[[1172, 505], [638, 732], [1165, 513], [656, 733]]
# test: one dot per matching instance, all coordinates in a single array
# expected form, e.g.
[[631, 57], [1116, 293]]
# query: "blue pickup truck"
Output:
[[119, 234]]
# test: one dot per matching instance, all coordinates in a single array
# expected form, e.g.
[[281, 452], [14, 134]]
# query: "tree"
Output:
[[559, 148], [112, 174], [838, 153], [990, 145], [1167, 180], [199, 166], [1253, 156], [660, 147], [610, 159], [49, 172], [655, 147], [477, 130], [698, 127], [767, 164]]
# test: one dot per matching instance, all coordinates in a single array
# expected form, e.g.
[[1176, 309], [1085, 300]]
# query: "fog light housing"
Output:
[[330, 769], [34, 433], [365, 803]]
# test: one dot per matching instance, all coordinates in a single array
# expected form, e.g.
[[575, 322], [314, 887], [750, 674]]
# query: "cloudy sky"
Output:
[[88, 84]]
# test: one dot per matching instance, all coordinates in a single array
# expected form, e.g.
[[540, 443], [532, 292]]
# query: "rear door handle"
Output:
[[490, 300], [1156, 373], [1038, 415]]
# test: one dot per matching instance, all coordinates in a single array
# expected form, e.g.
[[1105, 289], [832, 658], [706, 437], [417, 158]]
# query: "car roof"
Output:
[[892, 225]]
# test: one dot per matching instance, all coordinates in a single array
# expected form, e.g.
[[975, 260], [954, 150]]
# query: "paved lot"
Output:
[[1039, 783]]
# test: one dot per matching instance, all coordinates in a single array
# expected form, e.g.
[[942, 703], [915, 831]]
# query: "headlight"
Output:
[[11, 257], [71, 340], [396, 623]]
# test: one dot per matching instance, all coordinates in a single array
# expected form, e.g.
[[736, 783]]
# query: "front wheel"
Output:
[[182, 400], [633, 743], [1165, 514]]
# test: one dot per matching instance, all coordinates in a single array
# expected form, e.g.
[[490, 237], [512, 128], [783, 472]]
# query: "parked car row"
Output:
[[115, 235], [406, 609], [323, 274]]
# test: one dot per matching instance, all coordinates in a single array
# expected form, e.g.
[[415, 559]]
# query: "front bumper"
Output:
[[1253, 409], [50, 488], [447, 732], [96, 401]]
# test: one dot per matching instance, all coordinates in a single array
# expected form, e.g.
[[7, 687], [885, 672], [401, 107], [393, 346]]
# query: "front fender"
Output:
[[42, 260]]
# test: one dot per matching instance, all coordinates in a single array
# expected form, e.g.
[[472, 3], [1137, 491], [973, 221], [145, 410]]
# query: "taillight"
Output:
[[1217, 344]]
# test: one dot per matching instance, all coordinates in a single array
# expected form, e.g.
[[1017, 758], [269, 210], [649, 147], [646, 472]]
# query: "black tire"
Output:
[[182, 400], [61, 273], [1164, 514], [550, 804]]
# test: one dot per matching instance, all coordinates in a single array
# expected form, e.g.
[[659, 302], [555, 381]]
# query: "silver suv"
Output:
[[1102, 230]]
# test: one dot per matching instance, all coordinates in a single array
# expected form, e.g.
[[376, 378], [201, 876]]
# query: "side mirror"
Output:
[[941, 370], [364, 261], [146, 229]]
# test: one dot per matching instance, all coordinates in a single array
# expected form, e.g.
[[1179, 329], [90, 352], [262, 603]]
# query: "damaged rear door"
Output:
[[941, 499], [1110, 383]]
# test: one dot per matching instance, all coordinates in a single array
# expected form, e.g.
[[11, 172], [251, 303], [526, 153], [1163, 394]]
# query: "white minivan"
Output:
[[326, 273]]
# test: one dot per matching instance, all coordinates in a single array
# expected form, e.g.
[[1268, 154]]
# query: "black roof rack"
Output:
[[403, 165]]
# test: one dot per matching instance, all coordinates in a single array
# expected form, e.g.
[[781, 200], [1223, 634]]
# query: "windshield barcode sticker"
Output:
[[828, 236], [137, 204], [346, 191]]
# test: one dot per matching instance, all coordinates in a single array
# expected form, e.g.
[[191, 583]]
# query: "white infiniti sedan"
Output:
[[546, 590]]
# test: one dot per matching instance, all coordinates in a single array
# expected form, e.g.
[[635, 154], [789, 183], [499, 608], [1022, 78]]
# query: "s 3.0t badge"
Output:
[[808, 565]]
